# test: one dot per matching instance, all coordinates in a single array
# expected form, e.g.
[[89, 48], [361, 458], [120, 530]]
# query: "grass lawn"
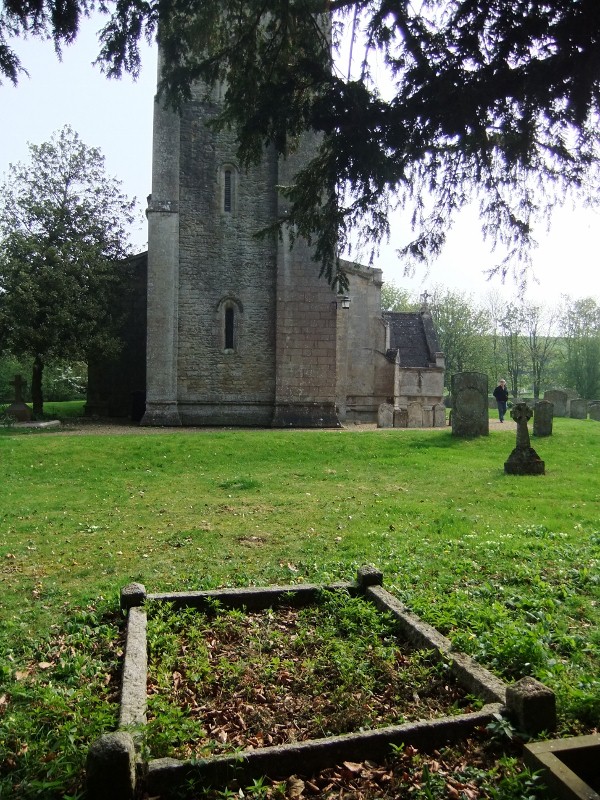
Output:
[[506, 566]]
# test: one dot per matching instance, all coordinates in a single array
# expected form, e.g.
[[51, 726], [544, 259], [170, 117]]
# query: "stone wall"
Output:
[[365, 375], [226, 277]]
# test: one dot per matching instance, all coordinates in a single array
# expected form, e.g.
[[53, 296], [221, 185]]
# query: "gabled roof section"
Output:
[[413, 337]]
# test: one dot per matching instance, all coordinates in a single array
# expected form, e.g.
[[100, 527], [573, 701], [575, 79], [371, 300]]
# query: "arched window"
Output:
[[229, 319]]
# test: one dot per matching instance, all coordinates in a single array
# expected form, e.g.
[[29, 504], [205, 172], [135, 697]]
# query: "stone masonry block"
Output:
[[368, 575], [531, 706], [134, 594], [110, 767]]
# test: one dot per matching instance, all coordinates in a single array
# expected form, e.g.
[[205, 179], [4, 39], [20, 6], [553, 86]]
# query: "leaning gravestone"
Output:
[[18, 409], [578, 408], [470, 404], [595, 411], [559, 399], [385, 416], [523, 460], [543, 413]]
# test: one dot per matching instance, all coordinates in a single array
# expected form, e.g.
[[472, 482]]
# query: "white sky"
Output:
[[116, 116]]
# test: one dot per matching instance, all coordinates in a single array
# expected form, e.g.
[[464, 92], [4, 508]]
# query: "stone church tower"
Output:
[[241, 330]]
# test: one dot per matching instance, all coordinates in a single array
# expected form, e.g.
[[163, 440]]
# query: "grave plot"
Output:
[[242, 680], [248, 683]]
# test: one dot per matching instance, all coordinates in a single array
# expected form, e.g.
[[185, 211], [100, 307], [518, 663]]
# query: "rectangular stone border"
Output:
[[548, 757], [311, 756]]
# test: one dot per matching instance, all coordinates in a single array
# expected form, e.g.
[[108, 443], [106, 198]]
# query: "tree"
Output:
[[513, 344], [489, 101], [63, 225], [461, 329], [580, 323], [393, 298], [541, 344]]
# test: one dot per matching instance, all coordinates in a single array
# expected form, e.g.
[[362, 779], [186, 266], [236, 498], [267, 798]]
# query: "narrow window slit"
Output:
[[229, 320]]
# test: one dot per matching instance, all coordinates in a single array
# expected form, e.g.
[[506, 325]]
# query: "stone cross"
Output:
[[521, 413], [19, 385], [523, 460], [18, 409]]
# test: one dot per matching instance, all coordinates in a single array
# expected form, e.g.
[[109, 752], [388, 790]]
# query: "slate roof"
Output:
[[413, 335]]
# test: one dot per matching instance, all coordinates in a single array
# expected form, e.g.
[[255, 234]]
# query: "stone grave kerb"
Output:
[[116, 764]]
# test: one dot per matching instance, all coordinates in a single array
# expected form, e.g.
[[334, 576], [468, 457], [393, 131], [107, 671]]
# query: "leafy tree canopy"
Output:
[[484, 100], [63, 227]]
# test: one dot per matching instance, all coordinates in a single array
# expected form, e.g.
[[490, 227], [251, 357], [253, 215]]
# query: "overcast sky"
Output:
[[116, 116]]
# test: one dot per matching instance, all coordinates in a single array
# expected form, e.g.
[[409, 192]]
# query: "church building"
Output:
[[240, 329]]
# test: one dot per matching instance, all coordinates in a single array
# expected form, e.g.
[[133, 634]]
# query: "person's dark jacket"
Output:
[[501, 393]]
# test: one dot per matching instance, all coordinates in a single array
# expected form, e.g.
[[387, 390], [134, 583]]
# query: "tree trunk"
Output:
[[36, 388]]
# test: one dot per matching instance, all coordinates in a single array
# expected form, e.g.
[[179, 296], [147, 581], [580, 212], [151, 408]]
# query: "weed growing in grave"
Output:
[[475, 769], [233, 679]]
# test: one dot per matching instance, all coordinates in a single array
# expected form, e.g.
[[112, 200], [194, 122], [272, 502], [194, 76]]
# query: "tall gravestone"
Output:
[[543, 414], [415, 415], [558, 398], [594, 410], [385, 416], [439, 415], [470, 404]]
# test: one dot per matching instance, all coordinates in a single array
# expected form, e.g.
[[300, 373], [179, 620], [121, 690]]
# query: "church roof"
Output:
[[413, 336]]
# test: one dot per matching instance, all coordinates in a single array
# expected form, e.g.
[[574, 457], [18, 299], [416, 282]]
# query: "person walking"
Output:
[[501, 395]]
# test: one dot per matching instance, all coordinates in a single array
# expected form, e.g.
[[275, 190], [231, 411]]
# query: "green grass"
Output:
[[506, 566], [66, 409], [63, 410]]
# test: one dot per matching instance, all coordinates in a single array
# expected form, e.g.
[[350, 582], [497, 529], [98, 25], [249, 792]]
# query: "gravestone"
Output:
[[578, 408], [18, 409], [470, 404], [415, 415], [594, 410], [428, 416], [385, 416], [543, 414], [401, 418], [523, 460], [439, 415], [558, 398]]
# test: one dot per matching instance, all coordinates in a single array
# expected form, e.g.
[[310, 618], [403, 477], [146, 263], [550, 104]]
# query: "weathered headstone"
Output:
[[578, 408], [558, 398], [428, 416], [385, 416], [400, 418], [523, 460], [543, 415], [18, 409], [470, 404], [594, 411], [439, 416], [415, 415]]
